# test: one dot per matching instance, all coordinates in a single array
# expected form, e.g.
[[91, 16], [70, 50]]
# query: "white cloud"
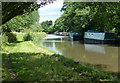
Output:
[[51, 11]]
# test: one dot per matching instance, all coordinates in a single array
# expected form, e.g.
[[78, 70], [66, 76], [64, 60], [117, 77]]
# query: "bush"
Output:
[[34, 36], [28, 37], [11, 37], [38, 36], [3, 39]]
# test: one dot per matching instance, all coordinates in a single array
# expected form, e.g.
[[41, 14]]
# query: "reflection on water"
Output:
[[87, 53], [94, 48]]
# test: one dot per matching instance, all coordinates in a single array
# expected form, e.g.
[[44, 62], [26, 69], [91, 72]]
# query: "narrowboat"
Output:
[[74, 36], [94, 37]]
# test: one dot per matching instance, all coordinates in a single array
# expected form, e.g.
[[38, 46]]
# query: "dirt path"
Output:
[[8, 64]]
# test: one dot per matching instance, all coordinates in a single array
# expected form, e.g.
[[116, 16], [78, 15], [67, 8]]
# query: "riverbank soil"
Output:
[[25, 61]]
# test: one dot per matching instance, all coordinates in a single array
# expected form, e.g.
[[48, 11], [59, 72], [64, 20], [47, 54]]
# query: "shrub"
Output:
[[3, 39], [11, 37], [38, 36], [28, 37], [34, 36]]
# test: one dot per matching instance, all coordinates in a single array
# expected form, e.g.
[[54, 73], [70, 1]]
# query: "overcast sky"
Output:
[[51, 11]]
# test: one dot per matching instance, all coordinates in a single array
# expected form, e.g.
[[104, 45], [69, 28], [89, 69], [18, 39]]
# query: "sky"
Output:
[[51, 11]]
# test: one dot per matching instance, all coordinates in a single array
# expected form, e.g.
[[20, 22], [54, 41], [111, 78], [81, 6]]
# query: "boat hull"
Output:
[[94, 41]]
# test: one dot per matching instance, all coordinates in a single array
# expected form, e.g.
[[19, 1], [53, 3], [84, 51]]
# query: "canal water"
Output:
[[105, 57]]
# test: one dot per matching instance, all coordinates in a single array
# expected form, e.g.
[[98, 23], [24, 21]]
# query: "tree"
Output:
[[59, 25], [36, 28], [46, 25], [25, 21]]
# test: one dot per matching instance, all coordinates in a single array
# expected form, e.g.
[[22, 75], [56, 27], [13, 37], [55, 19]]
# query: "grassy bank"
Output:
[[34, 63]]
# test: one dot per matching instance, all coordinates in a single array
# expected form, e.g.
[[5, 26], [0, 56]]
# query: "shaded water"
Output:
[[105, 56]]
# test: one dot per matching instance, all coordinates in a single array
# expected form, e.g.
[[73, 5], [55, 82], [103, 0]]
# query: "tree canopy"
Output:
[[22, 22], [47, 25]]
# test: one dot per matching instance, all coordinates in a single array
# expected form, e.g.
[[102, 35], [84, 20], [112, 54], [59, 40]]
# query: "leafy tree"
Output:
[[46, 25], [36, 28], [59, 25], [26, 21]]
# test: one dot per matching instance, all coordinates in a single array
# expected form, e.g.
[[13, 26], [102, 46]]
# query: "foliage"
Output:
[[59, 25], [78, 16], [27, 37], [47, 25], [36, 28], [20, 36], [3, 39], [11, 37], [19, 23], [51, 29], [31, 36], [38, 36]]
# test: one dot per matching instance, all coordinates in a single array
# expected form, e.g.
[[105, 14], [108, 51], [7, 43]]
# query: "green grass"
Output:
[[25, 47], [20, 36], [38, 67], [5, 72]]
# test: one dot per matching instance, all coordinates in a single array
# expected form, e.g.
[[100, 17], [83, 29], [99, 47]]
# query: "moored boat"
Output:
[[74, 36], [99, 38]]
